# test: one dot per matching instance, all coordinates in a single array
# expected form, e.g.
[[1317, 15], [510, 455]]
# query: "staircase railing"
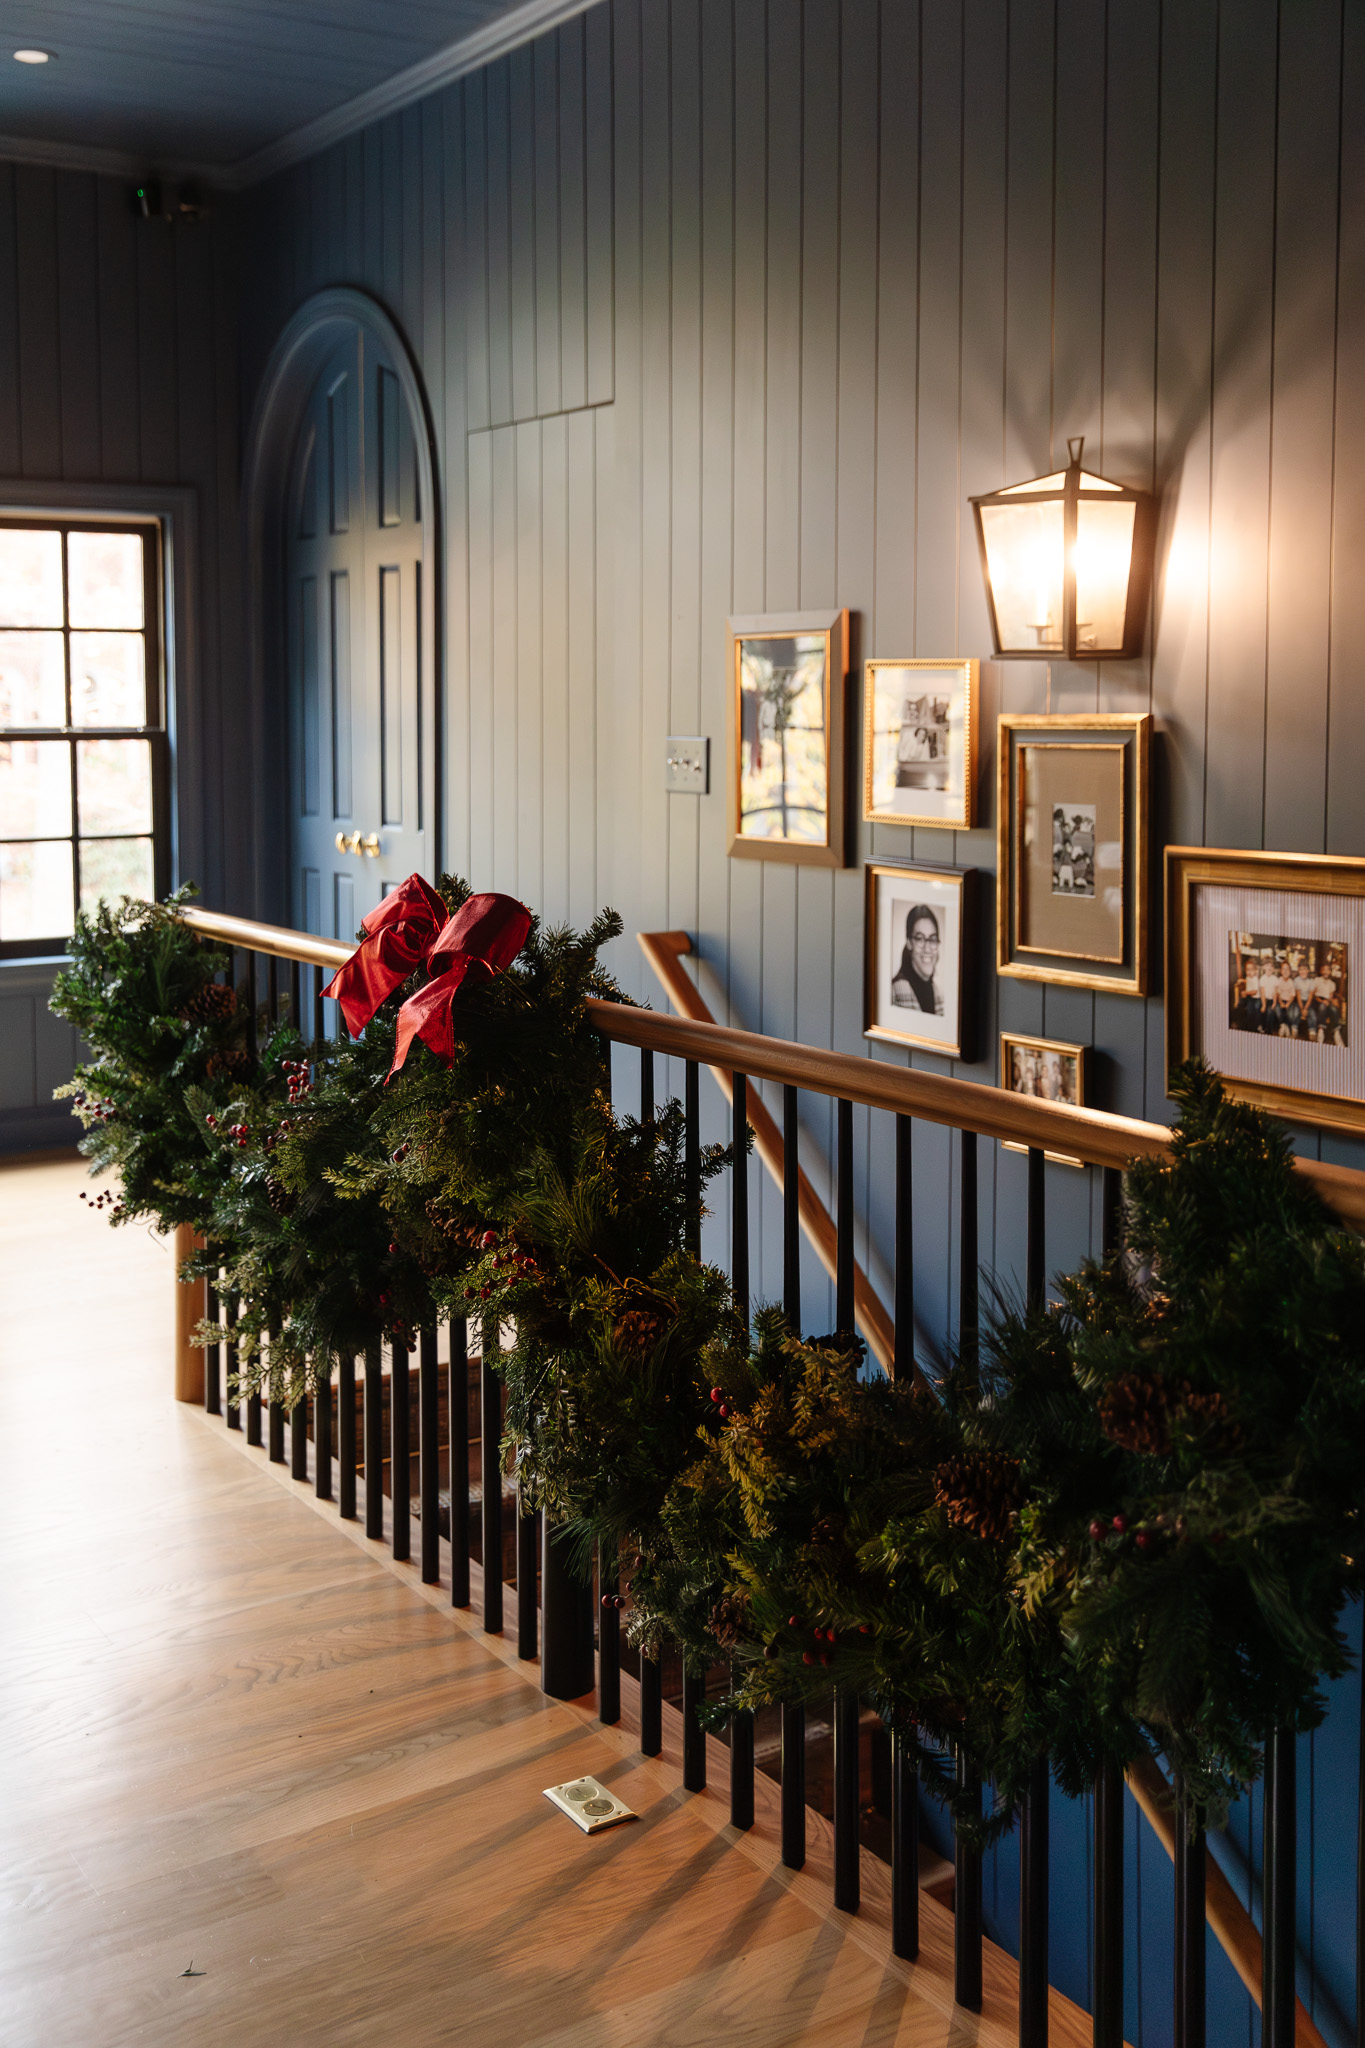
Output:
[[552, 1612]]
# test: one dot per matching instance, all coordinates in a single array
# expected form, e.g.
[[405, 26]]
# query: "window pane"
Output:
[[30, 577], [35, 890], [32, 685], [35, 789], [113, 868], [108, 679], [114, 785], [104, 579]]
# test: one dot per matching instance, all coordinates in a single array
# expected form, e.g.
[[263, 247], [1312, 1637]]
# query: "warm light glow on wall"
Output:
[[1067, 560]]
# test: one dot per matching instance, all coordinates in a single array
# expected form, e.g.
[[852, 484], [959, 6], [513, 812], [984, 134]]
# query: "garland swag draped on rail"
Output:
[[1131, 1524]]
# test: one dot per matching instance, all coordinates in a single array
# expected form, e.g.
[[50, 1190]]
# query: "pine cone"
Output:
[[1207, 1416], [278, 1196], [980, 1490], [729, 1620], [827, 1533], [232, 1062], [214, 1003], [638, 1330], [1135, 1413]]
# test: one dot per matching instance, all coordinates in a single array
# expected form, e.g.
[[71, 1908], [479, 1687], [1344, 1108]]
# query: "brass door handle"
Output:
[[348, 842], [369, 845]]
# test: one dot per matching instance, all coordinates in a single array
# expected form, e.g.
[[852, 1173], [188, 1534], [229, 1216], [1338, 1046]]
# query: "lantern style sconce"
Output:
[[1067, 561]]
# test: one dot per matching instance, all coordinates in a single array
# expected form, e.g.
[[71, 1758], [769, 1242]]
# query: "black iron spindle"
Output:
[[295, 996], [528, 1562], [1036, 1254], [1111, 1208], [567, 1649], [322, 1434], [232, 1393], [1189, 1930], [490, 1474], [968, 1280], [275, 1422], [694, 1735], [692, 1154], [651, 1670], [967, 1922], [459, 1462], [400, 1450], [1278, 1891], [646, 1086], [1108, 1993], [346, 1440], [213, 1385], [741, 1765], [374, 1440], [843, 1261], [252, 1043], [608, 1637], [847, 1875], [793, 1785], [429, 1455], [319, 1022], [1033, 1908], [272, 983], [903, 1363], [253, 1411], [793, 1765], [739, 1198], [298, 1438], [904, 1846]]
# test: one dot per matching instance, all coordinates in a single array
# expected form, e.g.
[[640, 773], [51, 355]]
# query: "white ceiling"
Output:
[[233, 89]]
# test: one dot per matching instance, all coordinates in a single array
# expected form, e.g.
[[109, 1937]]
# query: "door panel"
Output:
[[359, 700]]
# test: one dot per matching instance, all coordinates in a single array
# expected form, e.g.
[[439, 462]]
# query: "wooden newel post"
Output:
[[191, 1306]]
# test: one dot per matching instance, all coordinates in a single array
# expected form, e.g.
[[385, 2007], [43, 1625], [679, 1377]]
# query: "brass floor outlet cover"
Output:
[[589, 1804]]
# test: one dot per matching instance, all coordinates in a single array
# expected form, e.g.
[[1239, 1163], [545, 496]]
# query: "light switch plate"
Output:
[[687, 764], [588, 1803]]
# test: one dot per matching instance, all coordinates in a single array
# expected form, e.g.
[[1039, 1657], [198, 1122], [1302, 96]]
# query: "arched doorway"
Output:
[[341, 499]]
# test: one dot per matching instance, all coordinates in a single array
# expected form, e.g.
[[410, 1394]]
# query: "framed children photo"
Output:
[[919, 742], [916, 933], [786, 736], [1045, 1068], [1071, 903], [1262, 950]]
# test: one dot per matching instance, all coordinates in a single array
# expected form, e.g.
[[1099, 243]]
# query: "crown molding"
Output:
[[519, 25], [532, 18]]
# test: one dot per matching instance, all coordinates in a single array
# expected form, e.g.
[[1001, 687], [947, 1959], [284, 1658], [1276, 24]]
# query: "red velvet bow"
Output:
[[484, 936]]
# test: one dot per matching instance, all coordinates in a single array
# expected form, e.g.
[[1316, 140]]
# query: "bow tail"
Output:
[[426, 1015]]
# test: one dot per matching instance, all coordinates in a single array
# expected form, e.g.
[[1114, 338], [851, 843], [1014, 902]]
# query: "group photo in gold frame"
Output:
[[918, 926], [1262, 951], [919, 741], [1046, 1070], [785, 751], [1073, 825]]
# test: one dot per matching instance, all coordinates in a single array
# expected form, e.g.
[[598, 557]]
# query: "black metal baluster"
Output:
[[272, 1001], [694, 1736], [252, 1043], [1033, 1908], [847, 1875], [429, 1455], [843, 1261], [1278, 1891], [213, 1385], [1111, 1208], [651, 1670], [1108, 1994], [566, 1634], [319, 1022], [742, 1724], [608, 1637], [968, 1280], [275, 1422], [692, 1154], [458, 1409], [1360, 1868], [1036, 1254], [346, 1443], [490, 1472], [793, 1713], [903, 1364], [528, 1563], [741, 1764], [967, 1924], [904, 1847], [298, 1438], [374, 1440], [253, 1411], [322, 1434], [296, 996], [1189, 1930], [400, 1450], [232, 1394]]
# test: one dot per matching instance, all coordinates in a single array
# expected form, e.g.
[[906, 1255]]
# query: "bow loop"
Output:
[[397, 938]]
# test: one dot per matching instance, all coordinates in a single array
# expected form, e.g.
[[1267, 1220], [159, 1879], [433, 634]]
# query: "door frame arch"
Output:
[[301, 349]]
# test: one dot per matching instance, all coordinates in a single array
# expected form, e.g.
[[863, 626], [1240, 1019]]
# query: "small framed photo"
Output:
[[919, 742], [1071, 906], [1047, 1069], [786, 737], [917, 932], [1262, 950]]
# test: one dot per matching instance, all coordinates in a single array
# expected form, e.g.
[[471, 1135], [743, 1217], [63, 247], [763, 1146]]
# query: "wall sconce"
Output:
[[1067, 561]]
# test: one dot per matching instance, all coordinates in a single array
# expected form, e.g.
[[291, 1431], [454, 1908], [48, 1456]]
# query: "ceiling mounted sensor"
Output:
[[33, 56]]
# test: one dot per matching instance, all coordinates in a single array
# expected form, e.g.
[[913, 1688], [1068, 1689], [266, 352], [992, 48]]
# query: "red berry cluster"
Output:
[[401, 1153], [99, 1111], [613, 1600], [106, 1199], [512, 1264], [300, 1080], [1148, 1536], [720, 1404]]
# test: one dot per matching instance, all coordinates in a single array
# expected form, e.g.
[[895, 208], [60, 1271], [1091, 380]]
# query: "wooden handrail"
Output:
[[250, 933]]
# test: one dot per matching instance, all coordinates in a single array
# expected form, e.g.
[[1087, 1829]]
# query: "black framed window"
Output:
[[84, 762]]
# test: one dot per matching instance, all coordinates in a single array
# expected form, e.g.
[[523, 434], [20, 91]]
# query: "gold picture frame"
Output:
[[1262, 955], [785, 754], [1072, 841], [919, 767], [1052, 1057], [918, 931]]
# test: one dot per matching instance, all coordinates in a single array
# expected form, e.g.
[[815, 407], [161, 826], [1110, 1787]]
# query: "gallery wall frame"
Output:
[[785, 736], [1262, 951], [920, 741], [919, 928], [1073, 825], [1051, 1069]]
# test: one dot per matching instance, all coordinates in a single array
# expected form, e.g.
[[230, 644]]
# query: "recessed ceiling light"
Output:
[[33, 56]]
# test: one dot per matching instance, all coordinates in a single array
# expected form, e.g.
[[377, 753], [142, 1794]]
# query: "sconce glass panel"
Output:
[[1103, 558], [1025, 558]]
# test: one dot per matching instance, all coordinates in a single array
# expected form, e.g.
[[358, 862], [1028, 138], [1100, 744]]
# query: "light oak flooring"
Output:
[[235, 1738]]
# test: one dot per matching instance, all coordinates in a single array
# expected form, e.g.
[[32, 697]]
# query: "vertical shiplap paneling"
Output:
[[571, 256], [547, 187], [497, 87], [556, 885], [11, 453], [526, 791], [521, 258], [598, 157], [40, 392], [474, 286], [1345, 727], [78, 362], [475, 784]]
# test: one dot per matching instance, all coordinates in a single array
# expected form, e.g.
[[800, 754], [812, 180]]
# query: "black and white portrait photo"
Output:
[[919, 741], [914, 983], [914, 939], [1073, 850], [922, 749]]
